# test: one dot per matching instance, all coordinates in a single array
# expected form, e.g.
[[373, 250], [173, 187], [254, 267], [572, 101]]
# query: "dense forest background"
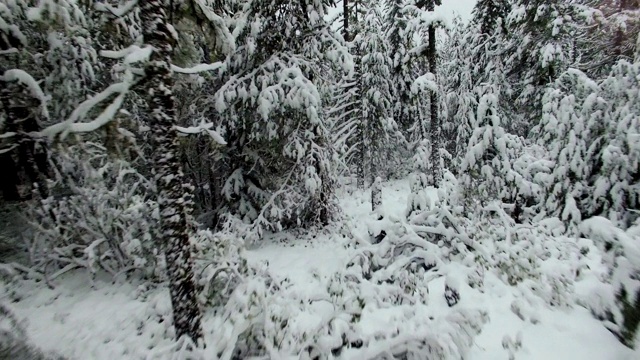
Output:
[[156, 140]]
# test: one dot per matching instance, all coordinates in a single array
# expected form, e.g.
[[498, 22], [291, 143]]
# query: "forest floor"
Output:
[[79, 319]]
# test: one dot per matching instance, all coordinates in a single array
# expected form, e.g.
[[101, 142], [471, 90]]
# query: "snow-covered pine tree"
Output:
[[590, 130], [400, 41], [458, 91], [542, 47], [345, 115], [486, 39], [564, 130], [381, 134], [494, 74], [616, 194], [614, 39], [491, 15], [272, 113], [487, 166]]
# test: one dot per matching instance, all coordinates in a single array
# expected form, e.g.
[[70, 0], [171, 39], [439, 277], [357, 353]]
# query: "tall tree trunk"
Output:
[[345, 20], [174, 191], [376, 194], [433, 97], [362, 132]]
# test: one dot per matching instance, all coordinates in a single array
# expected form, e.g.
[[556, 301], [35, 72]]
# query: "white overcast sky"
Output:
[[448, 9]]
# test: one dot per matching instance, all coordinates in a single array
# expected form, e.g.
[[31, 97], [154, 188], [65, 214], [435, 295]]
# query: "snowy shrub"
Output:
[[101, 217], [220, 263], [622, 257], [391, 279], [591, 131], [565, 130], [376, 308], [487, 172], [531, 171], [251, 318], [616, 193], [530, 258], [264, 318]]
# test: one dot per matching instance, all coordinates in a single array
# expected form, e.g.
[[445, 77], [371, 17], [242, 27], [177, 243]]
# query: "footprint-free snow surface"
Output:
[[80, 319]]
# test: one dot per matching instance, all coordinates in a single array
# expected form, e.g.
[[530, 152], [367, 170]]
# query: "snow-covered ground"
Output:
[[125, 320]]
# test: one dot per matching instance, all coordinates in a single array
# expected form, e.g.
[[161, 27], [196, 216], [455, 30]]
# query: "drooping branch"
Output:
[[202, 128], [67, 126], [27, 80]]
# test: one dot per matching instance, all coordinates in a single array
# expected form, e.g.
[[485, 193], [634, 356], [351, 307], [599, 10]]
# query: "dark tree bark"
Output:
[[9, 181], [376, 194], [433, 98], [325, 189], [26, 157], [174, 190], [362, 128], [345, 19]]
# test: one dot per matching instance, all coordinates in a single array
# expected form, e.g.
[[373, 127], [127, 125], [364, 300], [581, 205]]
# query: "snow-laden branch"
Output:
[[7, 135], [420, 49], [508, 224], [117, 11], [135, 54], [219, 24], [426, 82], [6, 150], [429, 18], [107, 115], [131, 55], [27, 80], [602, 230], [203, 128], [81, 111], [9, 51], [198, 68]]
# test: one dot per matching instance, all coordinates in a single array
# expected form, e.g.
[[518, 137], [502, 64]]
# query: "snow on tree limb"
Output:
[[219, 24], [7, 150], [198, 68], [7, 135], [84, 108], [9, 51], [26, 79], [131, 55], [117, 11], [107, 115], [215, 135], [601, 229], [426, 82]]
